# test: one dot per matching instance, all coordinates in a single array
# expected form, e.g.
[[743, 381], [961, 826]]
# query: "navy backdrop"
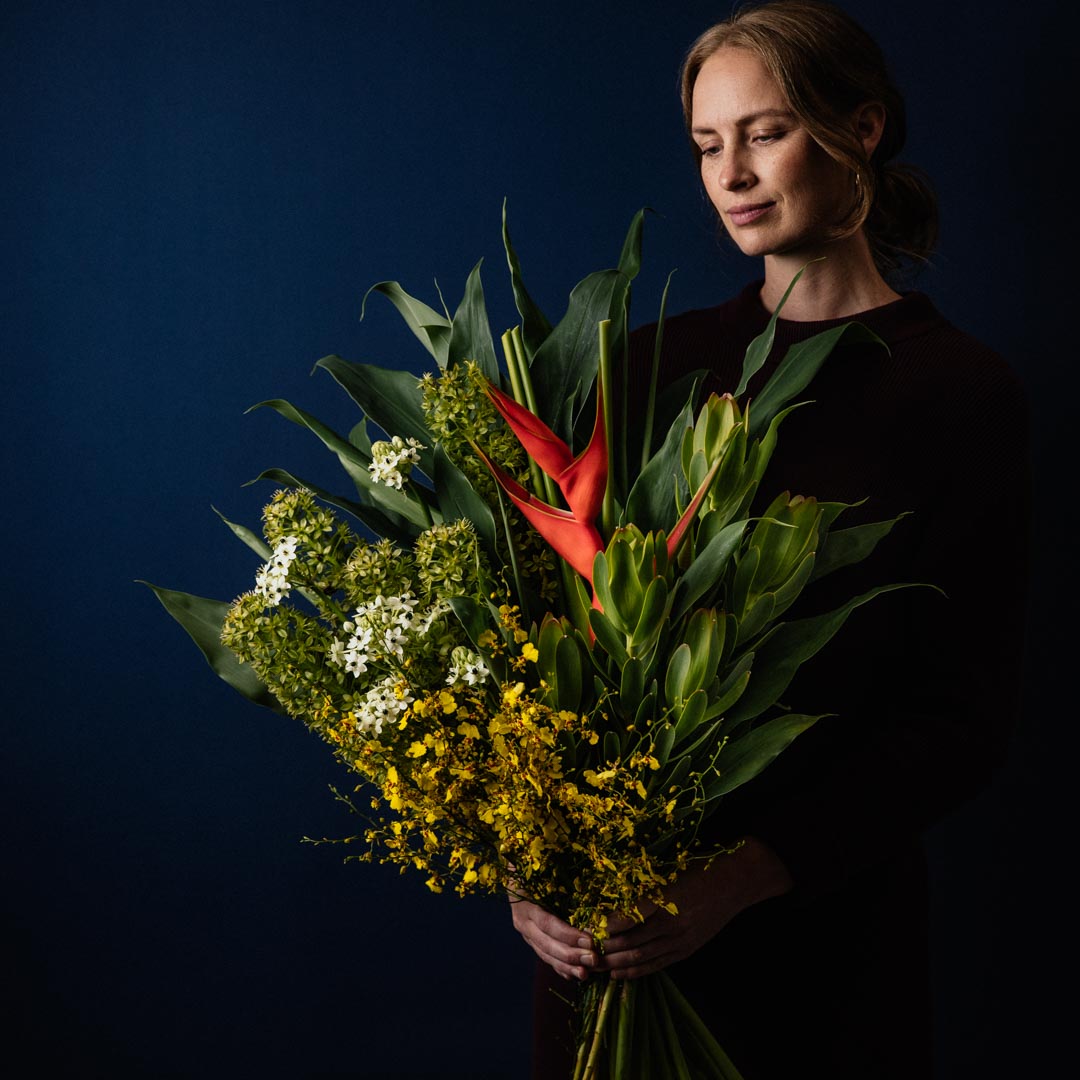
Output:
[[196, 198]]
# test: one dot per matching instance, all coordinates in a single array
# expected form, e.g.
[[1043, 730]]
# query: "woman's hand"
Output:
[[557, 943], [707, 899]]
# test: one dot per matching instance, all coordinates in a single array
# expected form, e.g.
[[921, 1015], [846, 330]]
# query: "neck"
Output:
[[843, 283]]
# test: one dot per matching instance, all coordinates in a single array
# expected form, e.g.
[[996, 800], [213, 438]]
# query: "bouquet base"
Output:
[[644, 1029]]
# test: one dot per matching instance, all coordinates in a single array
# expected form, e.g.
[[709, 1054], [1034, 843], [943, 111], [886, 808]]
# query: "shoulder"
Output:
[[943, 364]]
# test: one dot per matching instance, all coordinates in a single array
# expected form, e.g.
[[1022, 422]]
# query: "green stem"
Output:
[[589, 1009], [522, 363], [647, 1039], [650, 405], [725, 1069], [624, 1028], [592, 1063], [674, 1051], [518, 388], [607, 513]]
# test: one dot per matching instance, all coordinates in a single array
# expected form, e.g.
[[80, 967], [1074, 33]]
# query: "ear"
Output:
[[869, 122]]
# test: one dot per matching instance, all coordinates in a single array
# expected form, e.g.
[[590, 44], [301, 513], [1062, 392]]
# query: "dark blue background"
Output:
[[196, 198]]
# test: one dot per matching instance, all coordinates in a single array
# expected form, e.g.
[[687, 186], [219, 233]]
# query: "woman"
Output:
[[806, 950]]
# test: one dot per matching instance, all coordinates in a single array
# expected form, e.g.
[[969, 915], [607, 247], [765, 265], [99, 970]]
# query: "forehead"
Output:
[[732, 85]]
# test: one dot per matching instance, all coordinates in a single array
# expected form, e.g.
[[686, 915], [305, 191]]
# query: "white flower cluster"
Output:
[[393, 461], [467, 669], [381, 630], [272, 580], [383, 705]]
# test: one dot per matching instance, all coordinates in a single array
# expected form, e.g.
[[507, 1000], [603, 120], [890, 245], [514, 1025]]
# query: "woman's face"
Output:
[[775, 189]]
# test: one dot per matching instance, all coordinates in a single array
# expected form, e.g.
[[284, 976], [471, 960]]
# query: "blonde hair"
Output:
[[826, 65]]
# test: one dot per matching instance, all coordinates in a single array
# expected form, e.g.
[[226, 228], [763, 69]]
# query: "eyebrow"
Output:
[[750, 119]]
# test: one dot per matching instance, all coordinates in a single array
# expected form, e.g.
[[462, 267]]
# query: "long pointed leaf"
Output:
[[458, 499], [567, 360], [253, 540], [743, 758], [781, 653], [800, 364], [846, 546], [758, 350], [392, 399], [352, 461], [392, 526], [651, 504], [431, 328], [202, 618], [470, 332], [707, 569], [630, 257], [534, 324]]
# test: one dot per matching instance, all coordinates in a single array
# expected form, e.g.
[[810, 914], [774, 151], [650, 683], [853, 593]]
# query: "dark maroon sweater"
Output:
[[924, 687]]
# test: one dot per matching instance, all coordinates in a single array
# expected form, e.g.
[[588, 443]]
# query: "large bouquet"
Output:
[[547, 654]]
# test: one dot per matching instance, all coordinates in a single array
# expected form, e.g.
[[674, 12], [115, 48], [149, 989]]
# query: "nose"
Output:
[[733, 172]]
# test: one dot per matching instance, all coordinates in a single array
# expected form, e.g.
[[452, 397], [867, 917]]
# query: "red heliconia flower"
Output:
[[572, 533], [576, 541], [582, 479]]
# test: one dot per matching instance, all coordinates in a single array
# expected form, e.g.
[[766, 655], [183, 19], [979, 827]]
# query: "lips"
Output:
[[750, 212]]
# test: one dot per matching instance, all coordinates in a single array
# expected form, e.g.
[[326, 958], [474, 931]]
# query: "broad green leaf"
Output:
[[789, 592], [458, 499], [783, 652], [473, 616], [632, 686], [568, 674], [612, 746], [388, 524], [607, 637], [672, 399], [360, 438], [761, 610], [799, 366], [534, 325], [733, 689], [654, 609], [743, 758], [568, 357], [691, 715], [353, 462], [431, 328], [253, 540], [630, 257], [652, 503], [707, 569], [646, 710], [678, 671], [392, 399], [624, 589], [470, 333], [758, 350], [663, 741], [846, 546], [704, 637], [202, 618], [702, 742]]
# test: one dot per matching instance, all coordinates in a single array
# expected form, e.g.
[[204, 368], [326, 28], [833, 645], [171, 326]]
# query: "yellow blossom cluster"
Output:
[[481, 796]]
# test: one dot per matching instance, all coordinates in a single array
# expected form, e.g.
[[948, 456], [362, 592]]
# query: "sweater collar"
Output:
[[913, 314]]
